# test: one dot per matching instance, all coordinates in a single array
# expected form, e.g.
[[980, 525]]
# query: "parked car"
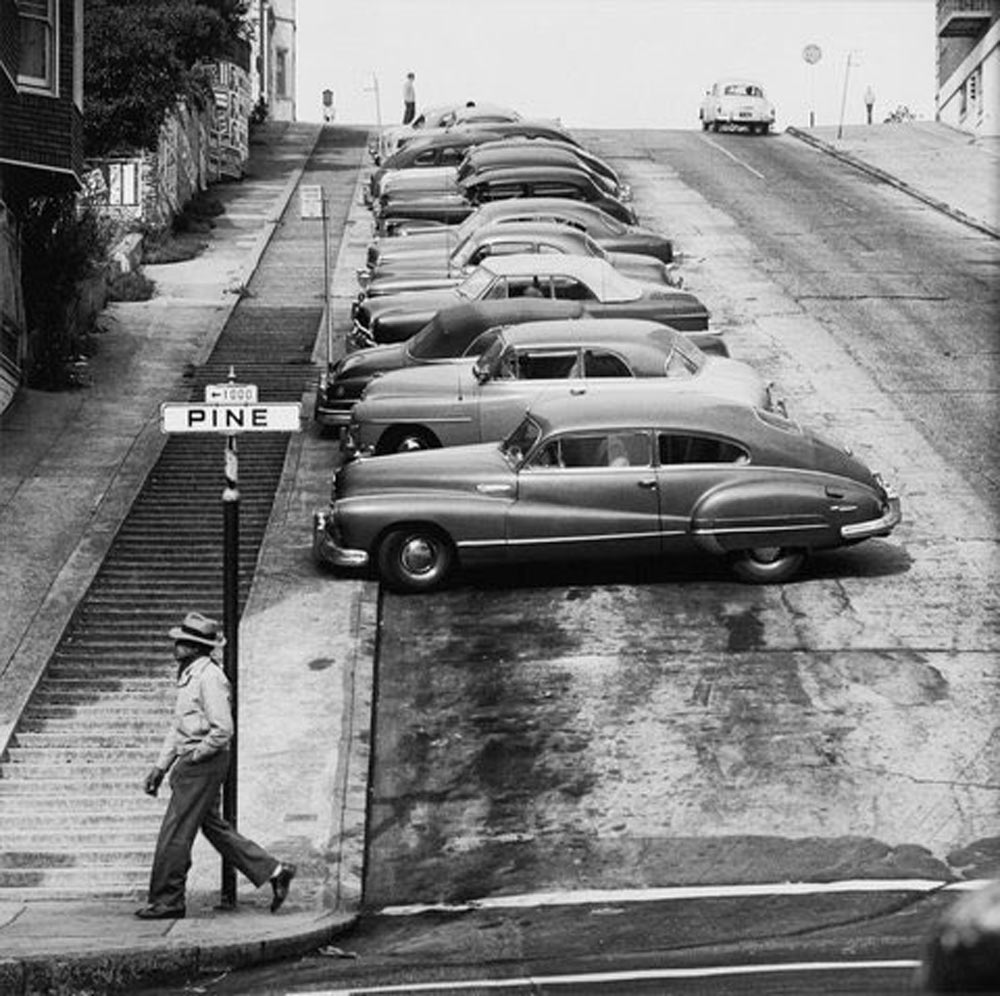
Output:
[[479, 400], [461, 331], [610, 233], [737, 102], [522, 128], [609, 294], [384, 143], [502, 184], [607, 474], [537, 152], [468, 115], [448, 149], [499, 239]]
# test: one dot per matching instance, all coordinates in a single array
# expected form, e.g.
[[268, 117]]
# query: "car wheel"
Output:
[[417, 558], [766, 564], [406, 438]]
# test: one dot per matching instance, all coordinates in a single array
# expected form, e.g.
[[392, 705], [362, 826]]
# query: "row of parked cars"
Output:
[[530, 380]]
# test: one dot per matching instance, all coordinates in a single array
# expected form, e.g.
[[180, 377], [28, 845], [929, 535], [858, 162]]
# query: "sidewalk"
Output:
[[945, 168], [71, 464]]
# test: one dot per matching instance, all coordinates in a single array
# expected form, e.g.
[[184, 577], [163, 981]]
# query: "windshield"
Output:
[[593, 249], [685, 358], [431, 342], [490, 356], [475, 284], [519, 443]]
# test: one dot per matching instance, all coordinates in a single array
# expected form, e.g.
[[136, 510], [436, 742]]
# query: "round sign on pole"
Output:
[[812, 54]]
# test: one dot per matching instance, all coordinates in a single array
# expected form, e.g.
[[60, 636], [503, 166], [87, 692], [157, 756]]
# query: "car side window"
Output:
[[683, 448], [600, 363], [570, 289], [497, 291], [591, 450], [425, 158], [498, 191], [551, 188], [529, 287], [452, 157], [547, 366]]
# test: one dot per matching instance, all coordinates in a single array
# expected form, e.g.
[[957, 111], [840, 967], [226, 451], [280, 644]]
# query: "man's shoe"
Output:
[[280, 884], [161, 913]]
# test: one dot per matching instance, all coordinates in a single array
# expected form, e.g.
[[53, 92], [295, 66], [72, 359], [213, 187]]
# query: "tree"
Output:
[[142, 56]]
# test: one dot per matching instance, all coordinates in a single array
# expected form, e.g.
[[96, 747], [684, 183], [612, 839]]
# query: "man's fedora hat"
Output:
[[197, 628]]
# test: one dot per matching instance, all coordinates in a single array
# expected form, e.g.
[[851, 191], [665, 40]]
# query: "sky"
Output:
[[614, 63]]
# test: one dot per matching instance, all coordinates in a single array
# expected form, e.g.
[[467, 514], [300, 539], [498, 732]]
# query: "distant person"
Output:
[[963, 952], [869, 102], [409, 99], [196, 753]]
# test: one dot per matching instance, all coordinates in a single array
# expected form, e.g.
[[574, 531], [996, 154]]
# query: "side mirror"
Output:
[[481, 374]]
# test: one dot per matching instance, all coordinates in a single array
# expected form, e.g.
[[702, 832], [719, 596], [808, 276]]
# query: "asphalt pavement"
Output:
[[71, 464]]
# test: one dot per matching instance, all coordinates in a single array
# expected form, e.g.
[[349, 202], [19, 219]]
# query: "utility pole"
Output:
[[843, 100]]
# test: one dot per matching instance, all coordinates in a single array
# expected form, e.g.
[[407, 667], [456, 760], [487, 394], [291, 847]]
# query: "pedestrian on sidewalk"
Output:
[[409, 99], [196, 752], [869, 102]]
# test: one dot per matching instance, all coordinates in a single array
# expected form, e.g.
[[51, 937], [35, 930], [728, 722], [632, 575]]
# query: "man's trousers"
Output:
[[194, 804]]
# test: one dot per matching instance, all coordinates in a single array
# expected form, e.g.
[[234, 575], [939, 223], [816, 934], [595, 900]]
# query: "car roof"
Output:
[[557, 205], [485, 314], [529, 124], [525, 230], [547, 171], [739, 80], [586, 268], [640, 405], [597, 331], [435, 139]]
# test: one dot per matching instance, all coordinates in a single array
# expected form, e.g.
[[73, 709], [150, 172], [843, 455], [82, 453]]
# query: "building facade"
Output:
[[41, 142], [275, 57], [968, 65]]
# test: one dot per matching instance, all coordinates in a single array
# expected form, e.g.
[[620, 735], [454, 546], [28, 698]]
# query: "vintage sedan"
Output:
[[459, 332], [608, 232], [481, 400], [440, 270], [739, 103], [521, 152], [384, 143], [434, 151], [499, 184], [610, 294], [608, 474]]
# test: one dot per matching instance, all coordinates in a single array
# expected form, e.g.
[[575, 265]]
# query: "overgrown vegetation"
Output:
[[145, 55], [62, 245]]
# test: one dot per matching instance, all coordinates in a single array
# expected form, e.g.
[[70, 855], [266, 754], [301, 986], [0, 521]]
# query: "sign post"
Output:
[[312, 204], [231, 408], [812, 54]]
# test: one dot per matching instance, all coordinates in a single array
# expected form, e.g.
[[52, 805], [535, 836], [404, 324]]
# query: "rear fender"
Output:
[[766, 510]]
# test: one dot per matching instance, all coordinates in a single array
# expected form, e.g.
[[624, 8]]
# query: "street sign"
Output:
[[231, 394], [812, 54], [275, 416], [311, 201]]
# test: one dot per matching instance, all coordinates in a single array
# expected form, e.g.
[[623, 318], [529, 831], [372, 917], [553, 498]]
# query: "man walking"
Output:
[[409, 99], [869, 102], [196, 751]]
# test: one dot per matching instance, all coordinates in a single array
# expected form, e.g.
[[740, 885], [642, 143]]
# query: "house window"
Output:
[[37, 69], [281, 72]]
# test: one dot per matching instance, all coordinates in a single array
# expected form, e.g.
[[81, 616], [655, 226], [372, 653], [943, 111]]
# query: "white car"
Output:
[[737, 102]]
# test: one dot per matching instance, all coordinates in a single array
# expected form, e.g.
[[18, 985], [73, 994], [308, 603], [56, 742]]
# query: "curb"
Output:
[[121, 970], [893, 181]]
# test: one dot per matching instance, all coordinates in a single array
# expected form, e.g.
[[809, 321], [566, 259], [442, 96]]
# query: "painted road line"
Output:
[[735, 159], [586, 897], [645, 975]]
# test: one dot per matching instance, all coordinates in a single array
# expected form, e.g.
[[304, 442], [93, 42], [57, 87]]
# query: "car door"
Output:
[[521, 375], [586, 495], [690, 465]]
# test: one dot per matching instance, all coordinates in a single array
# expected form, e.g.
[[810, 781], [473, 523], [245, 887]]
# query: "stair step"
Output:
[[90, 879], [23, 860], [111, 739], [122, 802]]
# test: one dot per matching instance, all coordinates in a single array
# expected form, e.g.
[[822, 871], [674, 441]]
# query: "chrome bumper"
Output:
[[326, 551], [881, 526]]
